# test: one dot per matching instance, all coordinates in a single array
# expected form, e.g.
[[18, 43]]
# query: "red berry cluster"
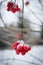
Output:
[[12, 7], [21, 49]]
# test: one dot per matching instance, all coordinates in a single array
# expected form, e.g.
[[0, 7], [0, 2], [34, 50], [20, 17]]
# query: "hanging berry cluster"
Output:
[[14, 7], [20, 48]]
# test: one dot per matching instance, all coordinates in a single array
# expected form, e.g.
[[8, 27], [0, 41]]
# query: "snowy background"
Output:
[[34, 57], [34, 13]]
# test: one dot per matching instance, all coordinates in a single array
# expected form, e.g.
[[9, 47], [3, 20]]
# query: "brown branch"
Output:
[[22, 19]]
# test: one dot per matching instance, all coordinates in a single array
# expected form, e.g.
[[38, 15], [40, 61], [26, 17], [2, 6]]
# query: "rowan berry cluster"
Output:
[[14, 7], [23, 49]]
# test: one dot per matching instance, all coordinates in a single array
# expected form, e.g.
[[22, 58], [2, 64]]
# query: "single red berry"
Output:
[[17, 9], [17, 51], [19, 34], [14, 45], [25, 48], [29, 48], [27, 3], [23, 52], [20, 48]]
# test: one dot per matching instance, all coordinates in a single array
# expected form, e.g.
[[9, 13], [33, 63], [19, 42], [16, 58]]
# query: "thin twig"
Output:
[[22, 19], [1, 15], [41, 4]]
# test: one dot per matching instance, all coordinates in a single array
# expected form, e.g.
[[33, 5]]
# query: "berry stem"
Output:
[[22, 19]]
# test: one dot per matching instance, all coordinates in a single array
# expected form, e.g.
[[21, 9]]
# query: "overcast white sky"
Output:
[[34, 6]]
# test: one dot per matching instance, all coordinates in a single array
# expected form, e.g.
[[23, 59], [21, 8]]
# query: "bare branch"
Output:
[[41, 4], [0, 13]]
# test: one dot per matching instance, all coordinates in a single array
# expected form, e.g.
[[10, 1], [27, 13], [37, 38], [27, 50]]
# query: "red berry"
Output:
[[25, 47], [10, 4], [29, 48], [20, 48], [13, 9], [19, 34], [14, 45], [17, 8], [17, 51], [27, 3], [23, 52]]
